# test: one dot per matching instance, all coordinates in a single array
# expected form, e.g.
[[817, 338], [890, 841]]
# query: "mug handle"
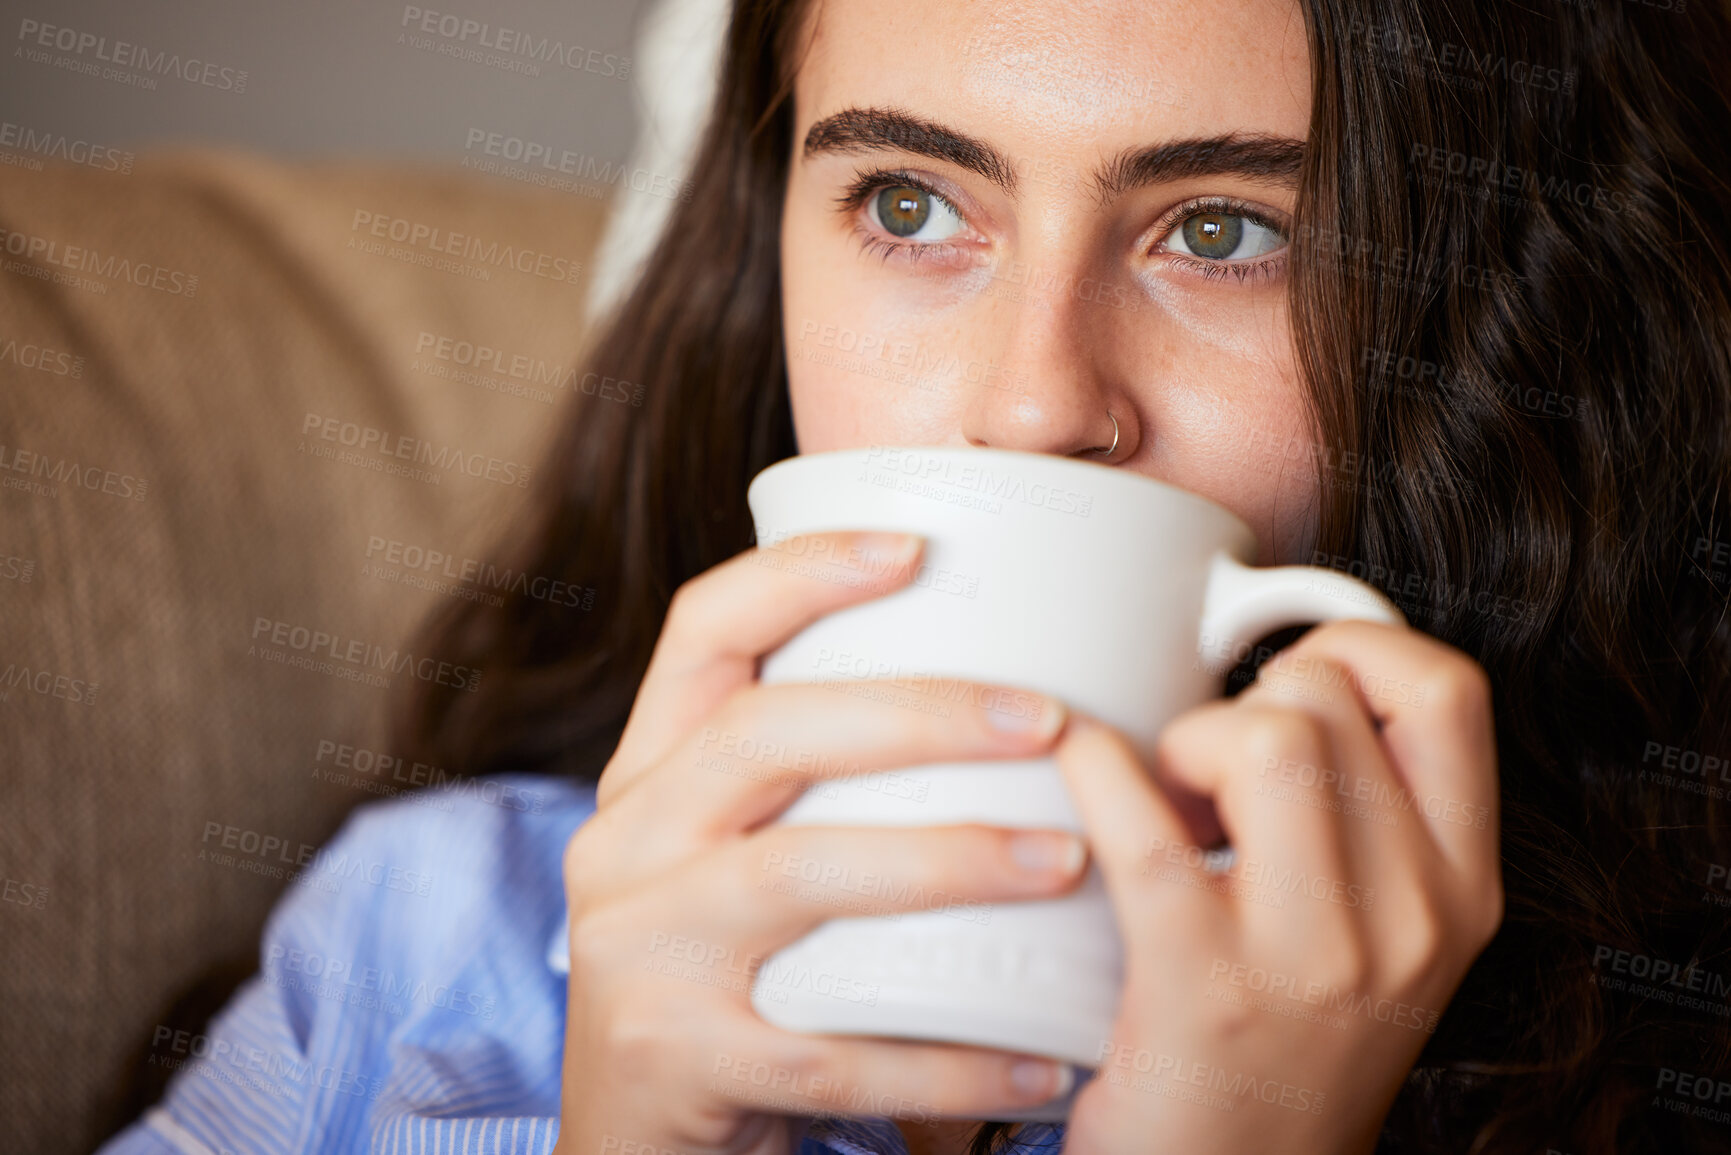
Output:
[[1244, 603]]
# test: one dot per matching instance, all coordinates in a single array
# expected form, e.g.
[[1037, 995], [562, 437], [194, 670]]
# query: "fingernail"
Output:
[[1043, 852], [1014, 712], [880, 551], [1041, 1078]]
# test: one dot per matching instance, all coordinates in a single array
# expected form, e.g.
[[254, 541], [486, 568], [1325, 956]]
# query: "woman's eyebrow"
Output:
[[1257, 156]]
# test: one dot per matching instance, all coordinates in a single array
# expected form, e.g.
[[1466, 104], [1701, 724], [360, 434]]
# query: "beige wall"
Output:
[[323, 75]]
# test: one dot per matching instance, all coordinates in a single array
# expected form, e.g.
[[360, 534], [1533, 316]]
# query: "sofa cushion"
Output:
[[256, 421]]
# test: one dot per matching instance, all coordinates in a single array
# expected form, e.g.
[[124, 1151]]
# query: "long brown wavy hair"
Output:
[[1511, 292]]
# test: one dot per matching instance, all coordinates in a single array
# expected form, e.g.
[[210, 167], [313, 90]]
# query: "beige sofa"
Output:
[[254, 418]]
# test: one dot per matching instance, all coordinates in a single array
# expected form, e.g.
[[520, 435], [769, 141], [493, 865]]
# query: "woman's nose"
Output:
[[1053, 393]]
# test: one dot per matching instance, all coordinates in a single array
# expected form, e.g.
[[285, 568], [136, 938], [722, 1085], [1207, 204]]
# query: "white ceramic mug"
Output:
[[1124, 597]]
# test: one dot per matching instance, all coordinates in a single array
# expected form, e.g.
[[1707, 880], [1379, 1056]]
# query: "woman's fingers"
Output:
[[769, 1069], [722, 621], [796, 877], [1310, 783], [707, 1051], [1358, 785], [1217, 750], [808, 874], [748, 761], [1432, 706], [661, 972], [1410, 890], [1139, 838]]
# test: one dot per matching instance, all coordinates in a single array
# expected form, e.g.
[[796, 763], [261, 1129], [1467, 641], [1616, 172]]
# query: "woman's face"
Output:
[[1005, 219]]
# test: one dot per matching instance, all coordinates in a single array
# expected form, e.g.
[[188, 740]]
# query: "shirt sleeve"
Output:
[[250, 1093], [140, 1139], [242, 1085], [403, 1004]]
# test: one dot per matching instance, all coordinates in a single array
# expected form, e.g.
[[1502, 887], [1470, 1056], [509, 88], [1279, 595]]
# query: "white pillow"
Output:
[[678, 62]]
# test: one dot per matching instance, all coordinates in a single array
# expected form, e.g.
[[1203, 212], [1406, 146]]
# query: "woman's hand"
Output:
[[1275, 1001], [668, 882]]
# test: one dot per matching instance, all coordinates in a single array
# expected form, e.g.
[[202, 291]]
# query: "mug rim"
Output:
[[1095, 472]]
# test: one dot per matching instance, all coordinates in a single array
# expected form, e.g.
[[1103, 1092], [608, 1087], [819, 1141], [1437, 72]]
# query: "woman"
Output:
[[1437, 293]]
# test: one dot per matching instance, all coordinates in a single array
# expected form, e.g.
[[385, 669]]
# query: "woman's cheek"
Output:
[[1228, 413], [867, 367], [1245, 325]]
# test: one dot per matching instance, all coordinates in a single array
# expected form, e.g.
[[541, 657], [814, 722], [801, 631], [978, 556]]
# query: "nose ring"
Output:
[[1114, 446]]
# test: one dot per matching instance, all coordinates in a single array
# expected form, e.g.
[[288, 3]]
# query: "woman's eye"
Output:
[[1223, 236], [910, 213]]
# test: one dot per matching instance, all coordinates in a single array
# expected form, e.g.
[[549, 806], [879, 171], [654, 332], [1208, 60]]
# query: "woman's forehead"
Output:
[[1043, 79]]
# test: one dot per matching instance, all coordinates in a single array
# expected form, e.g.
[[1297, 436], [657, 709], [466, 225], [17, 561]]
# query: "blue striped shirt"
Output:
[[411, 997]]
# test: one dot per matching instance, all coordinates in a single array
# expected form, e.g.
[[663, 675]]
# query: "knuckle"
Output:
[[686, 608], [640, 1040], [1322, 633], [789, 1067], [960, 859], [787, 842], [982, 858], [1281, 732], [1425, 933], [600, 936], [899, 714], [748, 709], [969, 854], [809, 863], [752, 861], [805, 1060], [928, 865], [679, 606], [1460, 686], [1200, 727], [1227, 1018], [1348, 634], [1107, 741], [1347, 963]]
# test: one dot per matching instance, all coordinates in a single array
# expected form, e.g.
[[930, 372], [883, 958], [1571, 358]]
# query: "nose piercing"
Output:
[[1114, 446]]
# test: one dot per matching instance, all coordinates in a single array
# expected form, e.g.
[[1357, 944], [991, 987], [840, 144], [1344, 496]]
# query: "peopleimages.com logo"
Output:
[[356, 654], [465, 32], [34, 37]]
